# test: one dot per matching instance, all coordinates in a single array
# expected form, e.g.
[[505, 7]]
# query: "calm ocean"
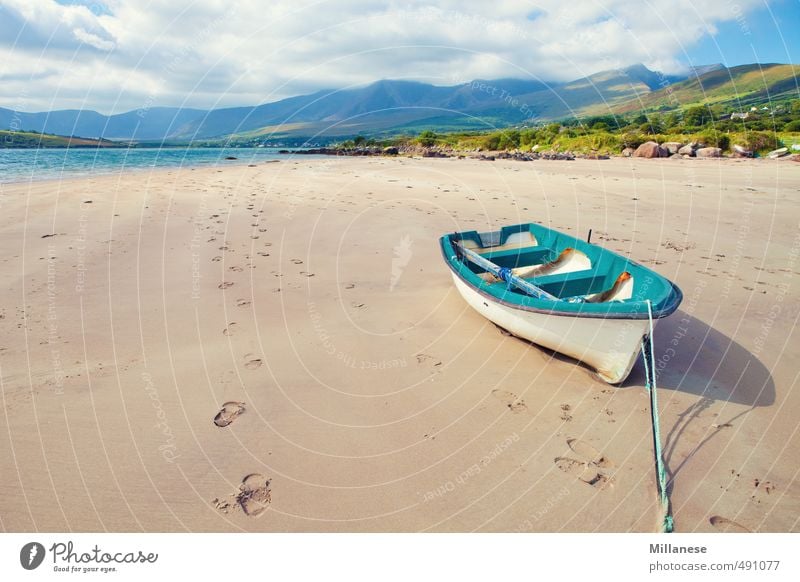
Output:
[[24, 165]]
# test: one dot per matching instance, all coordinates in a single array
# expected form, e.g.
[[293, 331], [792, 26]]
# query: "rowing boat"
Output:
[[562, 293]]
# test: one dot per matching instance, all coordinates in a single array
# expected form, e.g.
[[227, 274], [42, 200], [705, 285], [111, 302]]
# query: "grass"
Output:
[[599, 141]]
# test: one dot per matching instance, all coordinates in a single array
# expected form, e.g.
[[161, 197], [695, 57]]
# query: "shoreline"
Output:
[[492, 156], [138, 170]]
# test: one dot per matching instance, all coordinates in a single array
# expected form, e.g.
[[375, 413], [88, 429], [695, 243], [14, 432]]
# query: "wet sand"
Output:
[[281, 348]]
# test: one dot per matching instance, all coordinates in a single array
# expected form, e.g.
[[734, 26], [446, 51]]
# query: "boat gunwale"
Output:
[[661, 306]]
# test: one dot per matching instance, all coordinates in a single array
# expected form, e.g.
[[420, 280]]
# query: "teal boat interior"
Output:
[[585, 279]]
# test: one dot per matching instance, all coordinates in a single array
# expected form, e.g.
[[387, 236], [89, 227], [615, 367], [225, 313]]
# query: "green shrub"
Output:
[[509, 140], [792, 126], [492, 141], [697, 116], [715, 139], [759, 141], [427, 138], [606, 141], [632, 139]]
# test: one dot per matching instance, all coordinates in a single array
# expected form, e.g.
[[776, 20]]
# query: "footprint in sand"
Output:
[[306, 274], [254, 494], [228, 331], [726, 525], [588, 469], [587, 451], [511, 400], [235, 268], [585, 472], [297, 261], [253, 497], [253, 364], [225, 285], [242, 303], [216, 259], [228, 413]]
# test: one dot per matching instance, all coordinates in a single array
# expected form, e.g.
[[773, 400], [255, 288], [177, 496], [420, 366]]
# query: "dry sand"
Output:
[[308, 299]]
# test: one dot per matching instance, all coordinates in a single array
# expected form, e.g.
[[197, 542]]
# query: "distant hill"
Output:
[[740, 86], [25, 139], [391, 107], [155, 123]]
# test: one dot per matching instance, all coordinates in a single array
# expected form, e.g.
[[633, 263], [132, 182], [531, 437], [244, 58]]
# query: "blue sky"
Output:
[[119, 55], [768, 34]]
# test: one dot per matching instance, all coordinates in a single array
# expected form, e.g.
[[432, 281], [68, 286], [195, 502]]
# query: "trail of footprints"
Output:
[[254, 494], [590, 466]]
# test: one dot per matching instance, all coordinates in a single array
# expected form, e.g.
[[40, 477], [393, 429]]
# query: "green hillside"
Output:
[[736, 87], [33, 140]]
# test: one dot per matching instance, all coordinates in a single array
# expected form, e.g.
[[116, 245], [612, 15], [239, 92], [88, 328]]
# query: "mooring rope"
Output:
[[650, 384]]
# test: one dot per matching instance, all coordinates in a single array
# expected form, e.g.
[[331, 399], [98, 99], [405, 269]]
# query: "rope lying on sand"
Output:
[[650, 384]]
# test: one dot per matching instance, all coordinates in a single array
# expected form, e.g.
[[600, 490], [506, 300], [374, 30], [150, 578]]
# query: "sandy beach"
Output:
[[363, 394]]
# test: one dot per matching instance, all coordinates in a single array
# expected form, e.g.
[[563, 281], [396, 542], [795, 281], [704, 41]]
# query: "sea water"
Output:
[[24, 165]]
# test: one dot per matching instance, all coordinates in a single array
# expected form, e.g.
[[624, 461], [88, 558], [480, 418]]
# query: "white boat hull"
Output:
[[609, 346]]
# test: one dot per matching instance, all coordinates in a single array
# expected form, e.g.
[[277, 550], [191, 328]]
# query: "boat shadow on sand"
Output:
[[696, 359]]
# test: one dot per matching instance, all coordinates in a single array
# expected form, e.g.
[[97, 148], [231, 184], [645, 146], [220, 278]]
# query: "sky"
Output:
[[114, 56]]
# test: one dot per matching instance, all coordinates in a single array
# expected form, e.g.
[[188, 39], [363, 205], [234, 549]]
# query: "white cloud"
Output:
[[120, 54], [93, 40]]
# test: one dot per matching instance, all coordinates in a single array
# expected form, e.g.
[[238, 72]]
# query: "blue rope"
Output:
[[650, 383], [505, 274]]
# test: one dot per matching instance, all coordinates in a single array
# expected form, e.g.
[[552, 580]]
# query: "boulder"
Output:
[[434, 154], [672, 146], [741, 152], [708, 153], [780, 152], [627, 152], [391, 151], [650, 149], [687, 150]]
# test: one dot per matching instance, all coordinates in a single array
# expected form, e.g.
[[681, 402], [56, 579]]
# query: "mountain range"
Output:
[[392, 106]]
